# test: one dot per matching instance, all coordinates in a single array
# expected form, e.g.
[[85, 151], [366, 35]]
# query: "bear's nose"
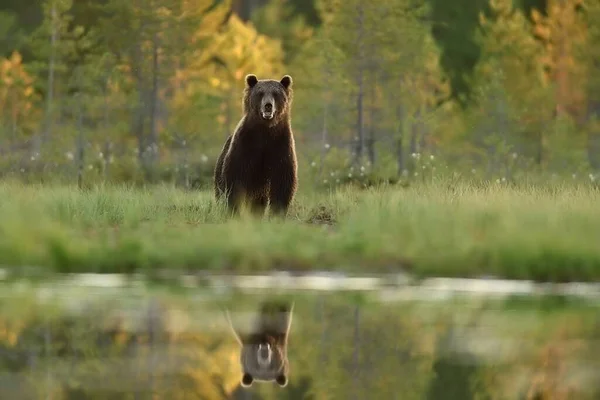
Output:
[[268, 107]]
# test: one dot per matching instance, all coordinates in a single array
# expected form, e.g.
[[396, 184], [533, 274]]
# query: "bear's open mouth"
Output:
[[267, 115]]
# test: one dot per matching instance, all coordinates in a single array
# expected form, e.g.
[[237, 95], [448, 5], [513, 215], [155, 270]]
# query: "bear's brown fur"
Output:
[[258, 161]]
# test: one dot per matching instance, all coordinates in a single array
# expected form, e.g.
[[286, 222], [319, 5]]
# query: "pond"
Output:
[[64, 341]]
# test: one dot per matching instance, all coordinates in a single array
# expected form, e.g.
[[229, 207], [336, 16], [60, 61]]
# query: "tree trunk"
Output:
[[152, 144], [593, 136], [373, 119], [360, 139], [105, 123], [140, 111], [414, 140], [80, 145], [47, 121], [324, 135]]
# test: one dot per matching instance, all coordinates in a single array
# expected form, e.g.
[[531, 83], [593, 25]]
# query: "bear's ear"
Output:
[[251, 80], [286, 81]]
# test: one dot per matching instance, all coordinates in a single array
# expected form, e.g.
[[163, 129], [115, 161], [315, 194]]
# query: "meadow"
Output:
[[437, 228]]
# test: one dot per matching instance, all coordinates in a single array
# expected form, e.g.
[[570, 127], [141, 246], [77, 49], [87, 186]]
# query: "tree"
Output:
[[453, 27], [591, 51], [508, 85], [53, 42], [10, 34], [415, 87], [561, 32], [295, 31], [219, 68], [164, 35], [18, 99]]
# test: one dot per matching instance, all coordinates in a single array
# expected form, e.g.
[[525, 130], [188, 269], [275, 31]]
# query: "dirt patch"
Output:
[[321, 215]]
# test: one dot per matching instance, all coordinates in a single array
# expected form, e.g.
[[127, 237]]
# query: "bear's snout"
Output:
[[267, 109]]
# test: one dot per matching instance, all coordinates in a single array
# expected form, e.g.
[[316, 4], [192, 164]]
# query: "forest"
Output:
[[147, 90]]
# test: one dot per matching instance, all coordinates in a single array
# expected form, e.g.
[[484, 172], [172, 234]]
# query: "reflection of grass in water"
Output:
[[441, 229]]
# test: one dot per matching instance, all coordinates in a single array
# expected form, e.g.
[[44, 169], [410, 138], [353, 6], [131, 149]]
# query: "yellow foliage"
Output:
[[17, 96], [240, 50], [562, 33], [511, 63], [218, 69]]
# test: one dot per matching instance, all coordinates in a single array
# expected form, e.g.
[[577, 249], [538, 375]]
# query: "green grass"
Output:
[[542, 233]]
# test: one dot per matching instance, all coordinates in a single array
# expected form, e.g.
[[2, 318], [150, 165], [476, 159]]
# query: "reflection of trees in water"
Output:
[[338, 349], [93, 356]]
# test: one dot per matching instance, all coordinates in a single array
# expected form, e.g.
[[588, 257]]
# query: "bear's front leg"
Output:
[[259, 205], [283, 186], [233, 179], [235, 200], [234, 195], [218, 172]]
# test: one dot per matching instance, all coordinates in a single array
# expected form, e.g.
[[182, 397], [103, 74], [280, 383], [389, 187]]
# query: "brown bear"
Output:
[[258, 162]]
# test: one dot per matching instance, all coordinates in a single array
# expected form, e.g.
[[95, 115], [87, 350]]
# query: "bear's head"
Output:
[[267, 101]]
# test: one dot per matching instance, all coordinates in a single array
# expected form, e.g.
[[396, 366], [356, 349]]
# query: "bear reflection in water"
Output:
[[264, 346]]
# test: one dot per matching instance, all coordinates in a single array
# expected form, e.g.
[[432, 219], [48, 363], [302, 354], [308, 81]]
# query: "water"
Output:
[[65, 341]]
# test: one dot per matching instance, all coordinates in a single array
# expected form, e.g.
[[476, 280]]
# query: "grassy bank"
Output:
[[543, 233]]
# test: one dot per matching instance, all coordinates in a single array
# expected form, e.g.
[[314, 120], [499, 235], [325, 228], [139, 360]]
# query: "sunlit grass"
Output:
[[545, 233]]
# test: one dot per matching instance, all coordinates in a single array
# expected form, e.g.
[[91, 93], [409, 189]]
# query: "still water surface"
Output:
[[68, 342]]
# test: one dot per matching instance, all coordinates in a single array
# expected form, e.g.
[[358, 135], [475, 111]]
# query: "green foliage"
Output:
[[10, 34], [454, 25], [280, 19], [55, 42]]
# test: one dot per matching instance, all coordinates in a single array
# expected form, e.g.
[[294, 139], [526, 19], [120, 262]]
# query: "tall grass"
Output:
[[440, 228]]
